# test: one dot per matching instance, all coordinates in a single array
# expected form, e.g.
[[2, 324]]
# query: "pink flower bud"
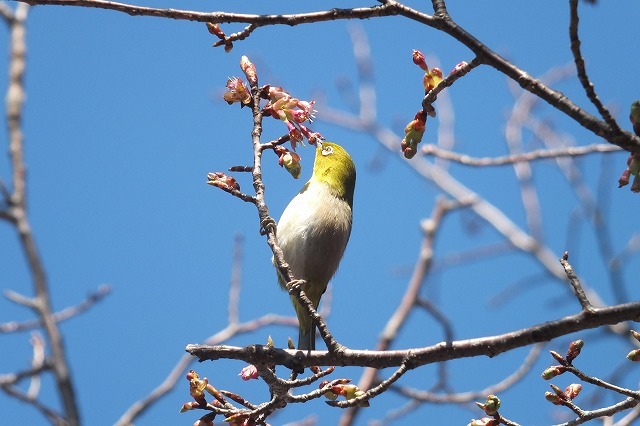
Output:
[[573, 390], [459, 67], [574, 349], [249, 70], [418, 59], [249, 372]]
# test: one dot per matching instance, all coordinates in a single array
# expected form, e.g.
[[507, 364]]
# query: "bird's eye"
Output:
[[327, 150]]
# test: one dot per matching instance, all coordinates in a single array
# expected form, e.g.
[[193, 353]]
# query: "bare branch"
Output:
[[63, 315], [489, 346], [582, 71], [17, 211], [587, 307], [540, 154]]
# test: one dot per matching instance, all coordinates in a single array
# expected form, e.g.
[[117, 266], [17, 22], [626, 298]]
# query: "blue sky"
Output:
[[124, 119]]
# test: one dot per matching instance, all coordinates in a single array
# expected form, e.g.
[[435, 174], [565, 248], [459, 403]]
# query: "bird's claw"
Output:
[[266, 225]]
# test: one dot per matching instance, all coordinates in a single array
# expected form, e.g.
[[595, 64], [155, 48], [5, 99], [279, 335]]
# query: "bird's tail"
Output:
[[307, 337]]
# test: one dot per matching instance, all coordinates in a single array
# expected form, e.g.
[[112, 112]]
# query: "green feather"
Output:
[[315, 227]]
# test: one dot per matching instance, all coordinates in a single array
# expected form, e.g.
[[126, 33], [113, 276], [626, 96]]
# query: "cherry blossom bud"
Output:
[[573, 390], [215, 29], [459, 67], [635, 335], [634, 116], [553, 398], [574, 350], [634, 355], [222, 181], [558, 357], [418, 59], [289, 160], [485, 421], [249, 70], [249, 372], [187, 406], [206, 420], [624, 178], [552, 372]]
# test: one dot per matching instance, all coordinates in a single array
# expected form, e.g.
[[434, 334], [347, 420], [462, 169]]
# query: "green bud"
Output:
[[634, 355]]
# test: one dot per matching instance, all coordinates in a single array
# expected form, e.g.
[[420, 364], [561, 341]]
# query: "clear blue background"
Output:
[[124, 119]]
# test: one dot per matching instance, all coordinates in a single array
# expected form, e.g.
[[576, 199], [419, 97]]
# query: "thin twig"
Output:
[[540, 154], [587, 307], [63, 315], [582, 70]]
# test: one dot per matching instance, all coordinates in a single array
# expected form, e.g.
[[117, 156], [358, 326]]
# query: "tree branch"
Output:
[[488, 346]]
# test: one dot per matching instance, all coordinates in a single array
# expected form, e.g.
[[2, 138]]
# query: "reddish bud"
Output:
[[249, 372], [635, 335], [572, 390], [558, 357], [553, 398], [459, 67], [485, 421], [289, 160], [249, 70], [624, 178], [222, 181], [552, 372], [206, 420], [418, 59], [634, 116], [574, 350], [215, 30]]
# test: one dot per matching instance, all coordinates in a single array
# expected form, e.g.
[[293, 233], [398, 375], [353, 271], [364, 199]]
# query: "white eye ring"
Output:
[[327, 150]]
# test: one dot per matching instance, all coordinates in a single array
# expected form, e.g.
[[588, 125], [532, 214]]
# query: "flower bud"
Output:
[[573, 390], [249, 70], [485, 421], [249, 372], [553, 398], [624, 178], [558, 357], [459, 67], [634, 116], [574, 350], [552, 372], [634, 355], [492, 405], [418, 59]]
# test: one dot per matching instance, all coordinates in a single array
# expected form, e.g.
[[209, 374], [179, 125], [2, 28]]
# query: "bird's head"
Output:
[[334, 167]]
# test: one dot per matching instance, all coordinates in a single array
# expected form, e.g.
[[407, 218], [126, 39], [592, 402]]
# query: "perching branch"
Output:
[[444, 351]]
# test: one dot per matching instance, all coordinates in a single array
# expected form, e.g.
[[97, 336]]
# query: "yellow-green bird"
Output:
[[315, 227]]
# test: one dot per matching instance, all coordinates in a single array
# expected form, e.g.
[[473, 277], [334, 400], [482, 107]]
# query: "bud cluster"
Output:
[[341, 387], [633, 161]]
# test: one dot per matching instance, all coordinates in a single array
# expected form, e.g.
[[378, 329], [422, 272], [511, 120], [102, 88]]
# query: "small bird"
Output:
[[315, 227]]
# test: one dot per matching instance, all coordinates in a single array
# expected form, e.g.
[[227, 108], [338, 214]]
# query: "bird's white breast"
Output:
[[313, 233]]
